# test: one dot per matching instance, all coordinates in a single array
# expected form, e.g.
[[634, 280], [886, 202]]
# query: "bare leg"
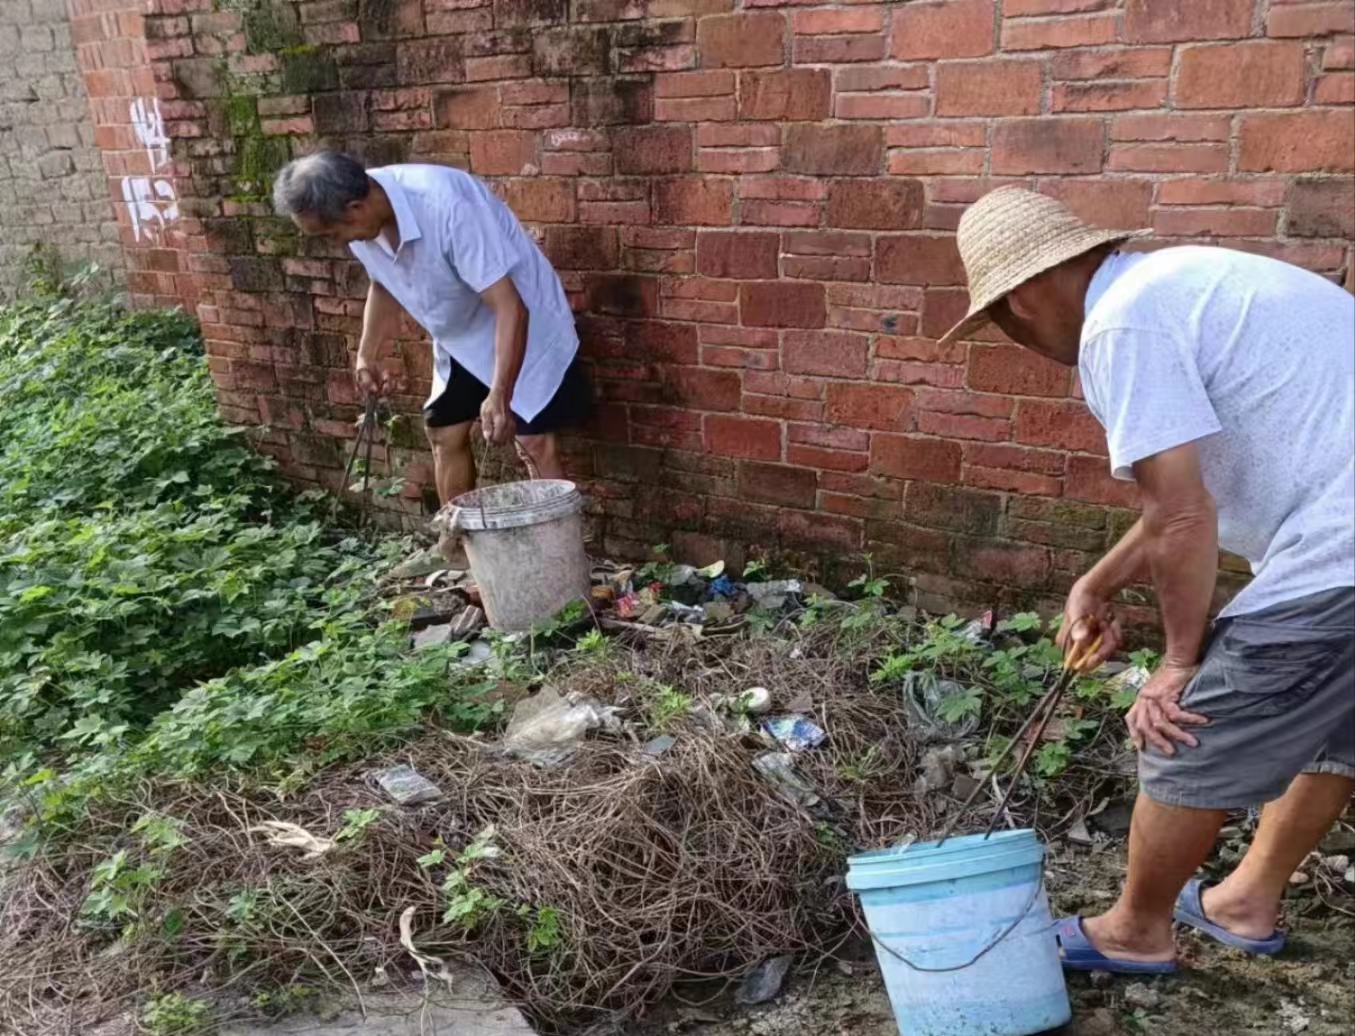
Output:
[[453, 460], [542, 455], [1166, 845], [1247, 902]]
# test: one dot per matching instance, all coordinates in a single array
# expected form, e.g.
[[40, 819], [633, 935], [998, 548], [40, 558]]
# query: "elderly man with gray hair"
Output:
[[438, 244]]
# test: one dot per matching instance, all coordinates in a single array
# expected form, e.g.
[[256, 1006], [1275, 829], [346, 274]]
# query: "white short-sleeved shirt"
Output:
[[457, 239], [1253, 360]]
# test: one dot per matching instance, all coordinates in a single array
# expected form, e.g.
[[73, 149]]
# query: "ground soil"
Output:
[[1308, 989]]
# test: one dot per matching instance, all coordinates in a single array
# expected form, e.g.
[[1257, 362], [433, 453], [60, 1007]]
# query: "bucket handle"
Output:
[[992, 944]]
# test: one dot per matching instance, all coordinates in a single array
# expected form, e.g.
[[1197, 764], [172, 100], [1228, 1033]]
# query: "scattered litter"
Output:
[[407, 786], [470, 620], [681, 575], [754, 701], [714, 571], [660, 744], [778, 769], [687, 612], [1132, 678], [977, 631], [1336, 864], [717, 611], [434, 578], [795, 733], [772, 596], [546, 728], [430, 966], [1138, 994], [923, 693], [1350, 875], [721, 586], [845, 968], [287, 835], [764, 981], [432, 636], [477, 653]]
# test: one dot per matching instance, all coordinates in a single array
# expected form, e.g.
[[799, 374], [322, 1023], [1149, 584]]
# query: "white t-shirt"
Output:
[[1254, 361], [456, 239]]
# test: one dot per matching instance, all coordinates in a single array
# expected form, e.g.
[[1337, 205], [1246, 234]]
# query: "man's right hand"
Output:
[[375, 377], [1086, 616]]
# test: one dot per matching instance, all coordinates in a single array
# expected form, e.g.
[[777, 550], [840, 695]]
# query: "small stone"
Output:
[[419, 564], [1101, 979], [845, 968], [432, 636], [964, 786], [764, 981], [1299, 878], [1137, 994]]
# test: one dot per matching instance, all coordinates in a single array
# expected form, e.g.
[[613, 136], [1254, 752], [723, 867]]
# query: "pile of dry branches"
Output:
[[656, 868]]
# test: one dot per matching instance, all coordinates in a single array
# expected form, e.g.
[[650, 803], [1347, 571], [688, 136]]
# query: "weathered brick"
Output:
[[575, 50], [1108, 97], [741, 134], [777, 484], [1062, 425], [1309, 20], [647, 150], [1118, 63], [541, 199], [892, 204], [882, 106], [885, 77], [989, 87], [918, 259], [787, 95], [1184, 129], [779, 213], [748, 437], [1168, 158], [948, 29], [828, 150], [1011, 369], [1240, 75], [742, 40], [1298, 142], [661, 341], [1169, 21], [1220, 222], [751, 256], [702, 201], [782, 304], [838, 21], [827, 459], [1089, 478], [469, 108], [1118, 204], [1321, 208], [959, 510], [828, 353], [915, 457], [572, 247], [613, 101], [1002, 563], [1051, 33], [1049, 145], [879, 407], [837, 50], [702, 389], [503, 152]]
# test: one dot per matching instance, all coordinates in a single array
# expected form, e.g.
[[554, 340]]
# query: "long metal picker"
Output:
[[1073, 666]]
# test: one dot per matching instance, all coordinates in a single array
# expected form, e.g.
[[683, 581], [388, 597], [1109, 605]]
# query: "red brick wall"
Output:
[[751, 204]]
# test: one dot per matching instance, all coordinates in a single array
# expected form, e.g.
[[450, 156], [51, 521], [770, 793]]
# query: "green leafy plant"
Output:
[[545, 934], [468, 905], [355, 822], [174, 1014], [668, 708]]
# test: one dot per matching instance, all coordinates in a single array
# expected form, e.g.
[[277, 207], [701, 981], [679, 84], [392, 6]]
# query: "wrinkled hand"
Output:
[[496, 420], [377, 377], [1156, 718], [1086, 616]]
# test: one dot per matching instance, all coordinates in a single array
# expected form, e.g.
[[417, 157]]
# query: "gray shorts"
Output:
[[1278, 689]]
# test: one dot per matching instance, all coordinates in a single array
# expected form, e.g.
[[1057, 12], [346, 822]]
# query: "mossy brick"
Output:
[[272, 27], [200, 78], [308, 70], [573, 51], [340, 112], [259, 160], [242, 115], [229, 236], [256, 274]]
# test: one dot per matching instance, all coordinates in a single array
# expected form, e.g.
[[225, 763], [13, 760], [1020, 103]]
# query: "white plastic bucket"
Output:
[[963, 935], [526, 548]]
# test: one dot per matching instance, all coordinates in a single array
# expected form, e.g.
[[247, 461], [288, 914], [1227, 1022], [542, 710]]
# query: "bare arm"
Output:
[[1180, 542], [380, 321], [510, 347]]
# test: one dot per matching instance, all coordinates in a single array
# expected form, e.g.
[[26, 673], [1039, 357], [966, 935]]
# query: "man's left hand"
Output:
[[1157, 718], [496, 420]]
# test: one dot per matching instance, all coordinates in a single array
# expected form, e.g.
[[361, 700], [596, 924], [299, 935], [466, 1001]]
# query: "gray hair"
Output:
[[320, 185]]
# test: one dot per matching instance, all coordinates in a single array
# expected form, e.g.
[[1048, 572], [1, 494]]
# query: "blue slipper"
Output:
[[1080, 955], [1190, 911]]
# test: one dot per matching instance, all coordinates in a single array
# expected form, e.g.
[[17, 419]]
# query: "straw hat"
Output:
[[1011, 235]]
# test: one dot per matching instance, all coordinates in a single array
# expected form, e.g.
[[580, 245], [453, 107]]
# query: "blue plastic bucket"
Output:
[[963, 935]]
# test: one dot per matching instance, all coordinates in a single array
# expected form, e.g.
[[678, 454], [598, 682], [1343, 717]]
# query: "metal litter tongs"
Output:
[[367, 426], [1074, 665]]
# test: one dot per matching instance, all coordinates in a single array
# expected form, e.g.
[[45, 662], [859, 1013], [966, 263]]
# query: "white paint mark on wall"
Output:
[[151, 201]]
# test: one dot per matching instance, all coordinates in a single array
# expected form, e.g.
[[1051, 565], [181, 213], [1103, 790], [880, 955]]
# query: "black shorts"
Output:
[[461, 400]]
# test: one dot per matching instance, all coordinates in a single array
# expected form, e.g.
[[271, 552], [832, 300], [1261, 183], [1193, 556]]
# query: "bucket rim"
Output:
[[920, 863], [471, 513]]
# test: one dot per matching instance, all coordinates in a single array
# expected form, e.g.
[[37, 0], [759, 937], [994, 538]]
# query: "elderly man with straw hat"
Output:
[[1226, 385]]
